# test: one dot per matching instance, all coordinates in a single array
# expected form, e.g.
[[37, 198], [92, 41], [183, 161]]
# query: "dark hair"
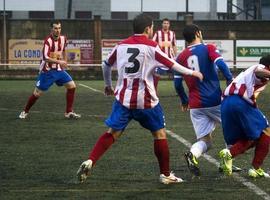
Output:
[[54, 22], [190, 31], [140, 22], [165, 19], [265, 60]]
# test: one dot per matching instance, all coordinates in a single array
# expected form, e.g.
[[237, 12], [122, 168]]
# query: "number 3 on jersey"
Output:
[[132, 59], [193, 63]]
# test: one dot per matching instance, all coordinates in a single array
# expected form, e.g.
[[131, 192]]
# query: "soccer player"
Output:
[[167, 42], [204, 96], [135, 95], [52, 70], [244, 125]]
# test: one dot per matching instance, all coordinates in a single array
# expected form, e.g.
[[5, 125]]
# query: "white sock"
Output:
[[198, 148]]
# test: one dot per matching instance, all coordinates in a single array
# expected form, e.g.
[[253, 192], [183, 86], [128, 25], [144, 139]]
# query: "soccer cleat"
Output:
[[258, 173], [23, 115], [84, 170], [169, 179], [72, 115], [234, 169], [193, 164], [226, 161]]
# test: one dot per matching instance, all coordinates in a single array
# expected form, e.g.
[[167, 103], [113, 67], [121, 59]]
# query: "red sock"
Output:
[[32, 99], [104, 142], [261, 151], [162, 153], [241, 146], [70, 99]]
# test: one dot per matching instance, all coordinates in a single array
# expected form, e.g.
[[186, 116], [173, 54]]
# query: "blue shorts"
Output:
[[46, 79], [240, 120], [151, 119]]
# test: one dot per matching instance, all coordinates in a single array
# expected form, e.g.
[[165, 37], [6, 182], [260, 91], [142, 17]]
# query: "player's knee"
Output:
[[71, 85], [159, 134], [267, 131], [37, 92]]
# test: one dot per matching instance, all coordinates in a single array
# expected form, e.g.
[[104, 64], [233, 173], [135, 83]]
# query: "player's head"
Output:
[[56, 28], [165, 24], [192, 33], [265, 60], [143, 24]]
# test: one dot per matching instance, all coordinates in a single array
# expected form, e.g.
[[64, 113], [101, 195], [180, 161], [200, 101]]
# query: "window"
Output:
[[41, 14], [8, 14], [119, 15], [83, 14], [154, 15]]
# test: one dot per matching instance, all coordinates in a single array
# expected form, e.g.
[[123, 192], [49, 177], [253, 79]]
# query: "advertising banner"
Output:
[[24, 51], [248, 52]]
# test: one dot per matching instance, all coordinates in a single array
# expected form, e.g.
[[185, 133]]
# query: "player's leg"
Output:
[[153, 120], [117, 122], [44, 82], [203, 126], [63, 78]]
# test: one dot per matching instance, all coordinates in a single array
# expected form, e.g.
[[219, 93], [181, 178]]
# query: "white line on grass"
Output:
[[93, 89], [212, 160], [53, 113]]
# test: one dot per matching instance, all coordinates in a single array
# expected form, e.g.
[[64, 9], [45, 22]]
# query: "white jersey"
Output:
[[52, 49], [166, 41], [136, 59], [247, 85]]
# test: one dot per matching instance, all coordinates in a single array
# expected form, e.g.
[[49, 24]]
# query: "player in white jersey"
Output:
[[166, 40], [136, 59], [244, 125], [52, 70]]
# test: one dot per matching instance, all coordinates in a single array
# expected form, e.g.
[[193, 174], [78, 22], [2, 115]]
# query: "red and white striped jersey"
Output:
[[136, 59], [52, 49], [247, 85], [166, 41]]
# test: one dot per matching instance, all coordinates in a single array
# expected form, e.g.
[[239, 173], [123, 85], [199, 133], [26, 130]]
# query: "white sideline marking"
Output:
[[93, 89], [54, 113], [212, 160]]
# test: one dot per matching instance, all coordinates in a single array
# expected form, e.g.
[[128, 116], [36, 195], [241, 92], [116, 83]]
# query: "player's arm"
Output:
[[46, 54], [218, 60], [224, 70], [107, 75], [262, 73], [107, 71], [174, 45], [172, 64]]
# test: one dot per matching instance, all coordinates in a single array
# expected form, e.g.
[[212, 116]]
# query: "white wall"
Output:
[[27, 5]]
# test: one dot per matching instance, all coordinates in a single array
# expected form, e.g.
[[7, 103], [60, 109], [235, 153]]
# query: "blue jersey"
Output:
[[203, 58]]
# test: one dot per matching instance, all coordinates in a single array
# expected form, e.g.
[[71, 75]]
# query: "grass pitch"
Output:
[[39, 156]]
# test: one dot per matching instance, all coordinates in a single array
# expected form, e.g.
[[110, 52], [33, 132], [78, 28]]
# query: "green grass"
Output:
[[39, 156]]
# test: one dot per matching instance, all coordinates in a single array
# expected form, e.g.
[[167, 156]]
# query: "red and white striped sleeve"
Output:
[[111, 59], [46, 50], [155, 37], [170, 63]]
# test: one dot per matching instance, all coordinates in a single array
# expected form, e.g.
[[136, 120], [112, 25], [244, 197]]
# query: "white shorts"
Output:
[[204, 120]]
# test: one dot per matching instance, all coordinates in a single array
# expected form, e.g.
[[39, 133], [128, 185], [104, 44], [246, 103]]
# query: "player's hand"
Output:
[[198, 75], [185, 107], [62, 63], [108, 91]]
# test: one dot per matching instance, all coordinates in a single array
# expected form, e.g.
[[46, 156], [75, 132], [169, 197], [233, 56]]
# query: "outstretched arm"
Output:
[[224, 69], [262, 73]]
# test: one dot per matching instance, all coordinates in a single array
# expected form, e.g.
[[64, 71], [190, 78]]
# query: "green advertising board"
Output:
[[245, 51]]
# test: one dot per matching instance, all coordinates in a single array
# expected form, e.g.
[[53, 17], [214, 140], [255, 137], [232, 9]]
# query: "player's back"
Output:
[[200, 57], [135, 60]]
